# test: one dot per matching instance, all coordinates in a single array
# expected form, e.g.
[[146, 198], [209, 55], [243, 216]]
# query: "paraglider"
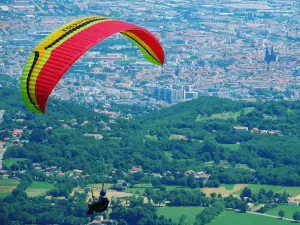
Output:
[[100, 204], [54, 55]]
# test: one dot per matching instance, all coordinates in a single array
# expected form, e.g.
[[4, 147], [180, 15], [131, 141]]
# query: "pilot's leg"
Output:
[[90, 211]]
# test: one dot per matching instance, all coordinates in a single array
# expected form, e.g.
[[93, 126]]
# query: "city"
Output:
[[213, 49]]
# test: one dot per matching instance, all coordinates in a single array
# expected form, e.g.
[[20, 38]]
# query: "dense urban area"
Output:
[[213, 48], [211, 137]]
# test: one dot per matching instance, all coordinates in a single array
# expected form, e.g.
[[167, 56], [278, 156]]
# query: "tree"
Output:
[[281, 214], [296, 216], [213, 195], [182, 219], [246, 193]]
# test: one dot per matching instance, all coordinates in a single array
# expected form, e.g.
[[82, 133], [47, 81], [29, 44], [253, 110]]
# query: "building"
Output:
[[191, 95], [240, 128], [169, 95], [99, 220], [121, 185], [292, 201]]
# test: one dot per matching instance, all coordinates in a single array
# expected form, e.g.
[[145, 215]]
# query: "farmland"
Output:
[[225, 116], [293, 191], [289, 210], [7, 186], [39, 188], [176, 212], [9, 162], [230, 218]]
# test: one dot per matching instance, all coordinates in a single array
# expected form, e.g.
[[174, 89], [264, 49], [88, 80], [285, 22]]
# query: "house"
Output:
[[167, 173], [188, 172], [99, 220], [250, 205], [121, 184], [3, 171], [240, 128], [17, 132], [78, 172], [135, 170], [38, 168], [292, 201], [96, 136], [202, 174], [158, 175], [5, 176]]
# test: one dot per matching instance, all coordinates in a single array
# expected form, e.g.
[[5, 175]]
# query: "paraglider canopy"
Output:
[[54, 55]]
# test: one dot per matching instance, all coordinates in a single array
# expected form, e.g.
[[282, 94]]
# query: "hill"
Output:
[[196, 144]]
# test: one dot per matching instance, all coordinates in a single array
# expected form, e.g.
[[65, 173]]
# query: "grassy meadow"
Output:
[[39, 188]]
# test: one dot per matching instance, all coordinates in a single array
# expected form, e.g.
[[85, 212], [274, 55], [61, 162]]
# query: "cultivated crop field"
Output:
[[39, 188], [235, 218], [293, 191], [11, 161], [7, 186], [289, 210], [176, 212]]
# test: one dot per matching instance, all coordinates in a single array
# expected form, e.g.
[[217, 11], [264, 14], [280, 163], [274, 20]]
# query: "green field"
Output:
[[234, 218], [293, 191], [11, 161], [138, 187], [143, 185], [289, 210], [177, 137], [172, 187], [228, 186], [39, 188], [231, 147], [225, 115], [141, 188], [134, 190], [152, 138], [176, 212], [7, 186], [243, 166]]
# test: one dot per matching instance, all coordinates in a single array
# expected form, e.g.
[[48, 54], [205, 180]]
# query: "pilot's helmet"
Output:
[[103, 192]]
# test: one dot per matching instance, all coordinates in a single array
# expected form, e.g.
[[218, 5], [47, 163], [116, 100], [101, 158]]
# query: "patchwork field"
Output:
[[234, 218], [176, 212], [141, 188], [97, 187], [224, 191], [225, 115], [237, 189], [11, 161], [289, 210], [7, 186], [38, 188], [293, 191]]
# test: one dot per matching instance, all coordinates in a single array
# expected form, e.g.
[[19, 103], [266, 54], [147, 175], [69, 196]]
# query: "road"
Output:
[[276, 217], [262, 214], [3, 149], [1, 115]]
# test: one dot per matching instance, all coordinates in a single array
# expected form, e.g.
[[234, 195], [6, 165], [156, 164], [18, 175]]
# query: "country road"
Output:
[[276, 217], [262, 214], [2, 150]]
